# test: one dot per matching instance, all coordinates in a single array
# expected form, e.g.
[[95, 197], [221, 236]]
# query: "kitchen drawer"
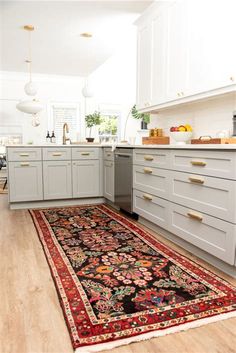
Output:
[[214, 196], [151, 207], [152, 157], [57, 154], [210, 234], [221, 164], [151, 180], [108, 155], [85, 153], [15, 154]]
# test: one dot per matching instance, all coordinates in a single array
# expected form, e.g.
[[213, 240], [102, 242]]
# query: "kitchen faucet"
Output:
[[65, 130]]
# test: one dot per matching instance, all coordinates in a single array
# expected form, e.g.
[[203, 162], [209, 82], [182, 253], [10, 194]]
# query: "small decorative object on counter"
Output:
[[53, 137], [92, 120], [234, 123], [156, 132], [181, 134], [48, 138], [144, 117], [213, 140]]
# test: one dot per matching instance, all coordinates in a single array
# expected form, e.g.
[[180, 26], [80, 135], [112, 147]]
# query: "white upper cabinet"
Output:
[[144, 66], [186, 52], [211, 49], [159, 29], [176, 53]]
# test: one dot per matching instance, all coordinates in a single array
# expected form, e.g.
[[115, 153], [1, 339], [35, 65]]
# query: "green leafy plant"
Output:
[[92, 120], [108, 125], [145, 117]]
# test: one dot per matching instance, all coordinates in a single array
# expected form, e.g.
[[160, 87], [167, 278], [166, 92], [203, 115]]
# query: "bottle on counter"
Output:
[[48, 138], [53, 137]]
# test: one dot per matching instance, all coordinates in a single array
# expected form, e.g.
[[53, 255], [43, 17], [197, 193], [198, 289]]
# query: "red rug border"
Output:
[[115, 213]]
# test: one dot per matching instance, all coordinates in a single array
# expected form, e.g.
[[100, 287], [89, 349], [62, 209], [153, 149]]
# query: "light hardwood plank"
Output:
[[31, 317]]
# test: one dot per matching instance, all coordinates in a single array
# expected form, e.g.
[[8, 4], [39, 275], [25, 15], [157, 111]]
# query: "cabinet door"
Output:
[[177, 50], [57, 180], [159, 47], [144, 66], [212, 54], [25, 180], [108, 179], [86, 178]]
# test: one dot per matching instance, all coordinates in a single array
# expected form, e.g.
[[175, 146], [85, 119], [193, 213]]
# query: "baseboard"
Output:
[[221, 265], [56, 203]]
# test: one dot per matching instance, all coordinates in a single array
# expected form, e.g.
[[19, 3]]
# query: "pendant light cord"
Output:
[[29, 61]]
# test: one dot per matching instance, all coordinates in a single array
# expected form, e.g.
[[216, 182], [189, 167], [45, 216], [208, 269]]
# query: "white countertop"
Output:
[[173, 146]]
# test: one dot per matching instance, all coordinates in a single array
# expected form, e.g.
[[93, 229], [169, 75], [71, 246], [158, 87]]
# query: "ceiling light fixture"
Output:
[[32, 107]]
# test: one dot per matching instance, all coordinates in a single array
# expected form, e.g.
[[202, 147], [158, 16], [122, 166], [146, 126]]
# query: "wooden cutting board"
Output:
[[217, 140], [161, 140]]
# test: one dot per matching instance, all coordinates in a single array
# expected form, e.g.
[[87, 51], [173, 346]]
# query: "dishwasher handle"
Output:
[[122, 155]]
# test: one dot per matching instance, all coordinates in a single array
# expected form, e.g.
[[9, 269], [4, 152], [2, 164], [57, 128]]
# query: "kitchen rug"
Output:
[[117, 284]]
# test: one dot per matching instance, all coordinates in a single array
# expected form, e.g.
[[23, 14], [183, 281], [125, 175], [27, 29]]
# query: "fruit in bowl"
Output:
[[181, 134]]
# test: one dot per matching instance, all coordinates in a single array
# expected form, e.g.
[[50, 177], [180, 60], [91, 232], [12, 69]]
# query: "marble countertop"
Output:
[[172, 146]]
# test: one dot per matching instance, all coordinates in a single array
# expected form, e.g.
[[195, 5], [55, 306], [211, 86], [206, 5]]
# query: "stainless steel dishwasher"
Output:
[[124, 178]]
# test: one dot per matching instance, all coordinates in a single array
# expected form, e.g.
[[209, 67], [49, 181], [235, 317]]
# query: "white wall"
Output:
[[50, 89], [114, 83], [207, 118]]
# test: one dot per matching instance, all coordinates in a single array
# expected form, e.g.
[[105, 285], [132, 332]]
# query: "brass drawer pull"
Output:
[[196, 180], [196, 216], [24, 154], [198, 163], [108, 154], [147, 170], [85, 153], [57, 154], [24, 164], [148, 158], [147, 197]]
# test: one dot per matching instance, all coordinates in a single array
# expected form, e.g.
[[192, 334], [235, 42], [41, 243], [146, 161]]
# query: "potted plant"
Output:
[[92, 120], [144, 117]]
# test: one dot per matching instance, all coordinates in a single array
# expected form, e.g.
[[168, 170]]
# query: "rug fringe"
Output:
[[183, 327]]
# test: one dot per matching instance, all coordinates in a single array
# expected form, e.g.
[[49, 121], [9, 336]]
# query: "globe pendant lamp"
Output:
[[87, 90], [30, 87]]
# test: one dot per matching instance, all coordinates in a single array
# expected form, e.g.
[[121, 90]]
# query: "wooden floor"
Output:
[[31, 319]]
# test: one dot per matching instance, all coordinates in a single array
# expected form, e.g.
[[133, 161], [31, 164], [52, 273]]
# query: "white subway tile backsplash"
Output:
[[206, 118]]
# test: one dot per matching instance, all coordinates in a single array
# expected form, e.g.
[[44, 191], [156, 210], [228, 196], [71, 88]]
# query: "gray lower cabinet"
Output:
[[108, 180], [25, 181], [57, 180], [86, 178]]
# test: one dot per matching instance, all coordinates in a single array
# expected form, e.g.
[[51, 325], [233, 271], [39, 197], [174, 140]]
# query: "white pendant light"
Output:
[[30, 88], [87, 90], [29, 107]]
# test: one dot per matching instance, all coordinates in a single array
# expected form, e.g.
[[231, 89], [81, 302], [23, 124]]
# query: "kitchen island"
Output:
[[186, 193]]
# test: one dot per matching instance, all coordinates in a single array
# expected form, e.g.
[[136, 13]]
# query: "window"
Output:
[[64, 113], [109, 128]]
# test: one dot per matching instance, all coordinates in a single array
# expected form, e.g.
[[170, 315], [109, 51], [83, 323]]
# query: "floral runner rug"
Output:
[[117, 284]]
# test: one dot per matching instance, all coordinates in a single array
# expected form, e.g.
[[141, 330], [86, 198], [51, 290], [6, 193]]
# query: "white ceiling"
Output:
[[57, 46]]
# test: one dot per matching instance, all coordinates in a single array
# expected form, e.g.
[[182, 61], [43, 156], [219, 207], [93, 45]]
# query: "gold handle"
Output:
[[147, 197], [108, 154], [57, 154], [147, 170], [196, 180], [85, 153], [196, 216], [198, 163], [148, 158], [232, 78], [24, 154], [24, 164]]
